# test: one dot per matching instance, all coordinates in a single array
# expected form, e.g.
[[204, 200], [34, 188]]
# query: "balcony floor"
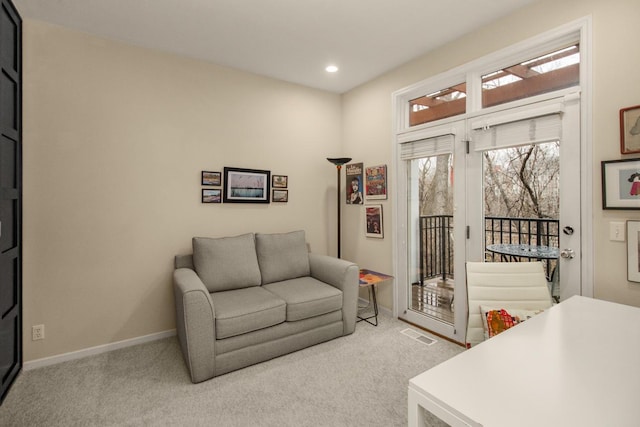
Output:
[[434, 300]]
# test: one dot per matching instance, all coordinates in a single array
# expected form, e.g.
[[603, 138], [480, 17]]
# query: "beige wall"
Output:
[[115, 138], [367, 119]]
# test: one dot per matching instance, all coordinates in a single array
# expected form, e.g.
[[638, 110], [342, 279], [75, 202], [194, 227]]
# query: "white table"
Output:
[[576, 364]]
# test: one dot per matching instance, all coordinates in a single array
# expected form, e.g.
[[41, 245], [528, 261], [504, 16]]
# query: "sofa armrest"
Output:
[[343, 275], [195, 323]]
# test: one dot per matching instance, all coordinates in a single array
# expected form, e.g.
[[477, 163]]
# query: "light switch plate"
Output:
[[616, 231]]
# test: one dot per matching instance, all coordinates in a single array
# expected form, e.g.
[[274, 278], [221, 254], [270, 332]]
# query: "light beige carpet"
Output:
[[358, 380]]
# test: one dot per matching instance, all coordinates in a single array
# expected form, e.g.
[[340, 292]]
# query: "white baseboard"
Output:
[[91, 351]]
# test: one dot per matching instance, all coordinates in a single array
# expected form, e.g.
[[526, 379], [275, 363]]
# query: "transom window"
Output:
[[438, 105], [555, 70]]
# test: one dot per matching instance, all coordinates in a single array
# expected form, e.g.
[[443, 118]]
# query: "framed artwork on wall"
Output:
[[630, 130], [246, 185], [354, 183], [376, 182], [373, 221], [621, 184], [280, 195], [211, 195], [280, 181], [211, 178]]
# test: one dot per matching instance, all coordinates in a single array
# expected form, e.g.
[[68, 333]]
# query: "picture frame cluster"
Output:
[[280, 184], [367, 184], [211, 195], [241, 185]]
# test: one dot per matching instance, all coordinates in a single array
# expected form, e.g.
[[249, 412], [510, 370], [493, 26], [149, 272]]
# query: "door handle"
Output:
[[567, 253]]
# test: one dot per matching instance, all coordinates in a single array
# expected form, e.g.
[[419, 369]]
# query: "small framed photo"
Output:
[[630, 130], [376, 182], [211, 195], [246, 186], [621, 184], [280, 195], [373, 221], [211, 178], [633, 251], [279, 181]]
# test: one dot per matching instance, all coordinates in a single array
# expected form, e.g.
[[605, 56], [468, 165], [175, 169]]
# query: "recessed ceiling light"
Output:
[[331, 69]]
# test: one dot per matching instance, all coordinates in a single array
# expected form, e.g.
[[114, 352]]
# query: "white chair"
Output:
[[517, 285]]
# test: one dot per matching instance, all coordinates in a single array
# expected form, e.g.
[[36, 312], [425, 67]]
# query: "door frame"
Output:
[[14, 192], [579, 30]]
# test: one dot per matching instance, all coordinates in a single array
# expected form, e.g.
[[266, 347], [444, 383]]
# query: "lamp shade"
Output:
[[338, 161]]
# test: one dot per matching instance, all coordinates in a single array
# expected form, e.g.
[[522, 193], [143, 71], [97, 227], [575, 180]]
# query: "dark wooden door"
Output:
[[10, 196]]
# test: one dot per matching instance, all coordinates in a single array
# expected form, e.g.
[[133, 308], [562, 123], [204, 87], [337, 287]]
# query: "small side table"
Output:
[[370, 278]]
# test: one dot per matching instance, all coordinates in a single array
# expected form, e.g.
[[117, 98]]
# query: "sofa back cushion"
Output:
[[282, 256], [226, 263]]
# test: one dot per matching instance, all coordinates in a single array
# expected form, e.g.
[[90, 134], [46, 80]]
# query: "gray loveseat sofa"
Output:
[[249, 298]]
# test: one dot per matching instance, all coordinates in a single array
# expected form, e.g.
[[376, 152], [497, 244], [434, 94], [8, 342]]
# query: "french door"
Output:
[[431, 165], [450, 225], [537, 148]]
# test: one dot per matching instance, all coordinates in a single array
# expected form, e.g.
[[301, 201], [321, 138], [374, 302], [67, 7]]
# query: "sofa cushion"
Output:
[[282, 256], [245, 310], [306, 297], [226, 263]]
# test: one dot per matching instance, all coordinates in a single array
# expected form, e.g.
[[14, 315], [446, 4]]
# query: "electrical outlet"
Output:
[[37, 332]]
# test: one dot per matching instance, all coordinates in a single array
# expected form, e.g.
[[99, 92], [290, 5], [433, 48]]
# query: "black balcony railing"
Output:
[[529, 231], [436, 247], [436, 241]]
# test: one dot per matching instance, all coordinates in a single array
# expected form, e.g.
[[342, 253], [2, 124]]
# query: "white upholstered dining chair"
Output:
[[515, 285]]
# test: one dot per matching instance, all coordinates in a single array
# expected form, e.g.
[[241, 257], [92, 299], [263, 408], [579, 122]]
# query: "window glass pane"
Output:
[[522, 205], [430, 204], [438, 105], [557, 70]]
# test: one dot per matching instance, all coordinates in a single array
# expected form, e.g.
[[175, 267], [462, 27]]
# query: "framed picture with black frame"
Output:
[[211, 178], [279, 181], [211, 195], [281, 196], [621, 184], [246, 185]]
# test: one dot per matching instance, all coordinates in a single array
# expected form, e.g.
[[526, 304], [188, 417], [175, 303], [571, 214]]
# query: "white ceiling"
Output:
[[292, 40]]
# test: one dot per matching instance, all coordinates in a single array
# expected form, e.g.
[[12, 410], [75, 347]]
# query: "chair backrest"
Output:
[[517, 285]]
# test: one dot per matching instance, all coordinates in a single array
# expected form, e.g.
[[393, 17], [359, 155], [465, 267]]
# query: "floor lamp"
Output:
[[339, 162]]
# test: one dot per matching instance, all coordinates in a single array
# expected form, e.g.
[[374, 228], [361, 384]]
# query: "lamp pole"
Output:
[[339, 161]]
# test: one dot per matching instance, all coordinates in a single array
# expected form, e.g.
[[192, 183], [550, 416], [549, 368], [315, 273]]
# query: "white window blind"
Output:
[[427, 147], [525, 131]]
